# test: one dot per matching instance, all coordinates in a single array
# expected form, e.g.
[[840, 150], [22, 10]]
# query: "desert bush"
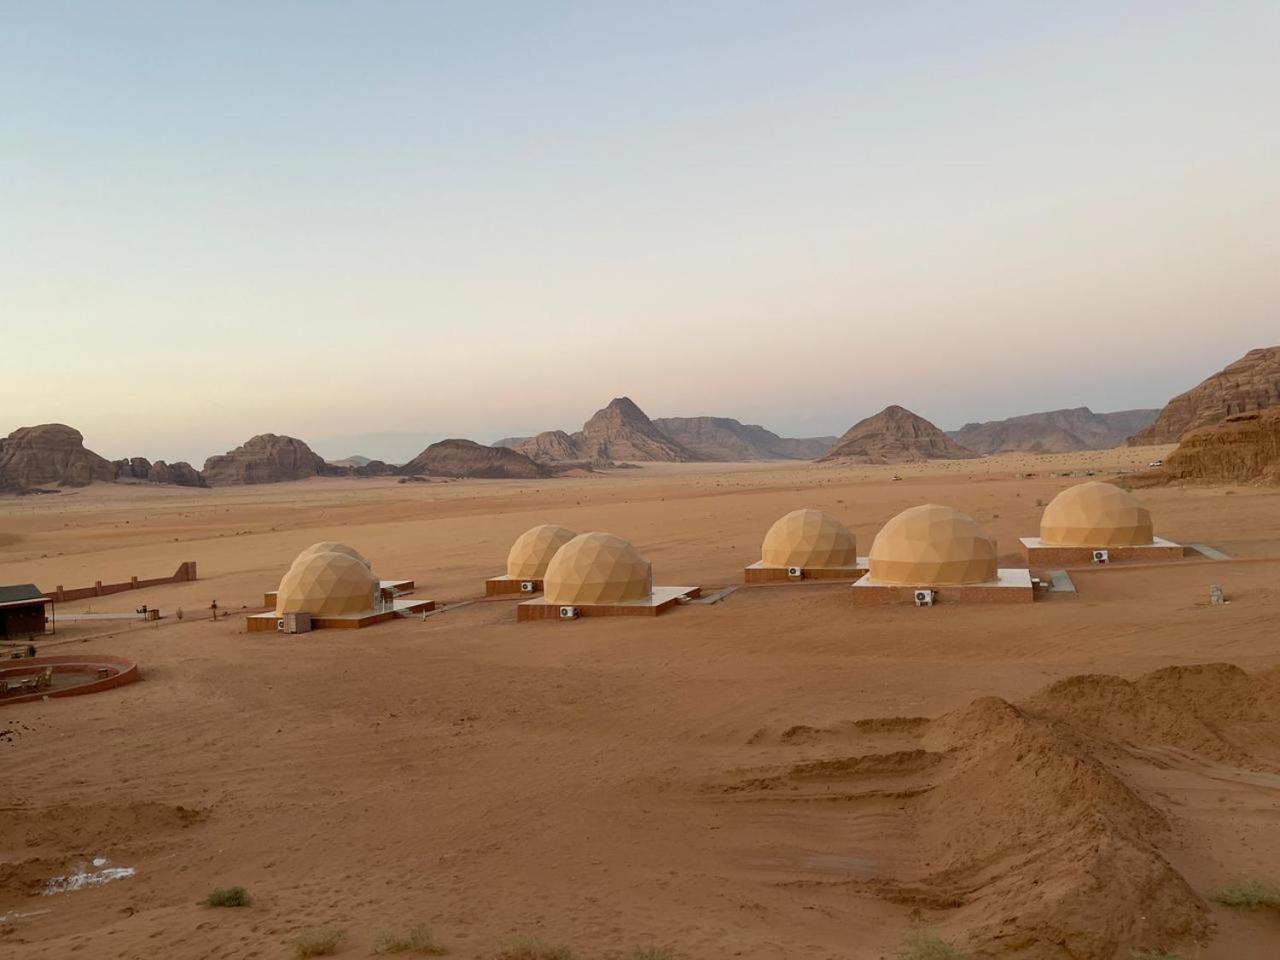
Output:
[[228, 897], [318, 943], [1252, 895], [925, 945], [417, 941], [1157, 955], [531, 948], [652, 953]]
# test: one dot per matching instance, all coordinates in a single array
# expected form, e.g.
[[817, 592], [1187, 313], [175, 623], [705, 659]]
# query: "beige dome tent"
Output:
[[809, 538], [1096, 514], [332, 546], [932, 545], [327, 585], [597, 568], [533, 550]]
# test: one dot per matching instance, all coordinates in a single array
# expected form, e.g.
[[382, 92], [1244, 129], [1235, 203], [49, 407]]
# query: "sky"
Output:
[[372, 225]]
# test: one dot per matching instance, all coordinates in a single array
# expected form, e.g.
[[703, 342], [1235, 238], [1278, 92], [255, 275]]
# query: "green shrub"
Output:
[[1252, 895], [319, 943], [228, 897], [531, 948], [417, 941], [924, 945]]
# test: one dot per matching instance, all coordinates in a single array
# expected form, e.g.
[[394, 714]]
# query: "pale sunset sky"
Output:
[[375, 224]]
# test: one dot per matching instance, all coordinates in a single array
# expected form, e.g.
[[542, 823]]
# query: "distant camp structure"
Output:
[[528, 559], [600, 575], [931, 553], [1096, 522], [807, 544], [331, 585]]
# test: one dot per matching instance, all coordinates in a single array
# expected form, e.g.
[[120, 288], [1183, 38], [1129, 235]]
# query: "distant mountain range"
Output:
[[54, 454], [1055, 431]]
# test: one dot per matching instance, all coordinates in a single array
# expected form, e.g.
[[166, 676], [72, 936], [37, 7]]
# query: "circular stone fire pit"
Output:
[[69, 676]]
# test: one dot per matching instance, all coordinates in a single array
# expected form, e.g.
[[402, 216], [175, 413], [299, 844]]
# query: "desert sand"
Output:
[[777, 775]]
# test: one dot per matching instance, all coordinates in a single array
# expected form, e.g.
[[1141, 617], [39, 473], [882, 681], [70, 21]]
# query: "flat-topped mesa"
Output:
[[267, 458], [1248, 385], [140, 469], [466, 458], [729, 440], [50, 453], [896, 435], [1054, 431]]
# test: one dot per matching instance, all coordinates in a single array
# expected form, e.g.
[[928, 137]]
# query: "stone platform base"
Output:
[[266, 622], [661, 600], [505, 586], [1011, 586], [1040, 555], [761, 572]]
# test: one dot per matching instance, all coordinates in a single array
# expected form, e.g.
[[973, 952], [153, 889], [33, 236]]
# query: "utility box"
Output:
[[294, 623], [1216, 596]]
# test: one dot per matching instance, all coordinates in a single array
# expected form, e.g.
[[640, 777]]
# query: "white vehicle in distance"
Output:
[[1156, 463]]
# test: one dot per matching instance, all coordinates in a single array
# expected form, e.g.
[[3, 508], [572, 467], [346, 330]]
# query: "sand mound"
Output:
[[1214, 709], [1015, 827]]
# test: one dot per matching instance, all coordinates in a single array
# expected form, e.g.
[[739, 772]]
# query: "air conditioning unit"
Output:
[[795, 572], [528, 586], [1101, 556], [294, 623], [568, 613], [924, 598]]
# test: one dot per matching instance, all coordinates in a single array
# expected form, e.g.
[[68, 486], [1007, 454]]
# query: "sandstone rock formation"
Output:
[[550, 446], [180, 474], [50, 453], [1241, 449], [896, 435], [725, 439], [620, 431], [1250, 384], [267, 458], [466, 458], [1055, 431]]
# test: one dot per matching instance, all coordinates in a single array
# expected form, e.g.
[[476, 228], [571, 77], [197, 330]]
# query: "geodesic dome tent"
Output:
[[533, 550], [333, 546], [1096, 514], [597, 568], [931, 545], [327, 585], [809, 538]]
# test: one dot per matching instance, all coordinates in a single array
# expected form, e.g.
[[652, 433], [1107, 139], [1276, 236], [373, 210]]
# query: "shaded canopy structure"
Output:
[[327, 585], [809, 538], [597, 568], [1096, 514], [333, 546], [932, 545], [533, 550]]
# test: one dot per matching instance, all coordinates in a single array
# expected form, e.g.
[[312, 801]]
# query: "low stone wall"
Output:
[[185, 573]]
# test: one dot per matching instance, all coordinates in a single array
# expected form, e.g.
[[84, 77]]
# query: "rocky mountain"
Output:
[[180, 474], [725, 439], [1244, 448], [896, 435], [1055, 431], [1250, 384], [620, 431], [466, 458], [267, 458], [355, 460], [50, 453], [551, 446], [511, 443]]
